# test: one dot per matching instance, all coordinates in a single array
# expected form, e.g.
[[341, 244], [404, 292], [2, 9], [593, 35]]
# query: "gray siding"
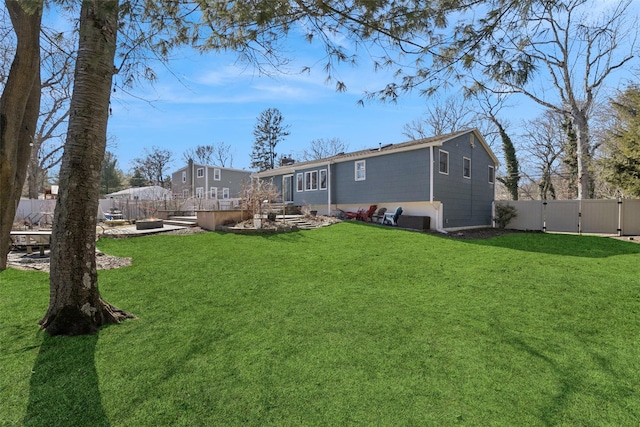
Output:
[[177, 186], [404, 176], [309, 197], [395, 177], [466, 202], [232, 179]]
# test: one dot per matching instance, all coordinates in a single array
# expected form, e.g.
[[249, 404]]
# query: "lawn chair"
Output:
[[378, 216], [366, 215], [361, 215], [392, 218]]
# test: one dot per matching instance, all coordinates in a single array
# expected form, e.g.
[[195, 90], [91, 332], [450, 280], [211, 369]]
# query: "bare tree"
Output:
[[571, 52], [154, 165], [544, 141], [222, 154], [201, 154], [323, 148], [451, 115], [491, 106], [46, 153], [218, 153]]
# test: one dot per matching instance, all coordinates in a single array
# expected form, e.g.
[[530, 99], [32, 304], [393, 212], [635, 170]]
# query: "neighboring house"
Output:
[[208, 182], [450, 178], [153, 192]]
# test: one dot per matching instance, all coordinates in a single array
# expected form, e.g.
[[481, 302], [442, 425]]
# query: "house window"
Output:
[[361, 170], [199, 192], [200, 172], [299, 182], [323, 179], [216, 174], [466, 167], [492, 175], [225, 193], [184, 176], [214, 192], [185, 194], [311, 180], [444, 162]]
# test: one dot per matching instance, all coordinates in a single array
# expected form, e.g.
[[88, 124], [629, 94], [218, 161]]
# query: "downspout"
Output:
[[192, 190], [329, 189], [431, 175], [431, 186]]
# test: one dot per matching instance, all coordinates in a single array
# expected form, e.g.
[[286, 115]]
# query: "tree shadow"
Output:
[[64, 387], [561, 244]]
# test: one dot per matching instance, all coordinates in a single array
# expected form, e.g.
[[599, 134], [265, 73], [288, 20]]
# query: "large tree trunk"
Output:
[[19, 108], [75, 305], [583, 153]]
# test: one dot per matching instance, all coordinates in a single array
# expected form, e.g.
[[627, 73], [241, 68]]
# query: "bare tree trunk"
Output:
[[75, 305], [583, 153], [19, 108]]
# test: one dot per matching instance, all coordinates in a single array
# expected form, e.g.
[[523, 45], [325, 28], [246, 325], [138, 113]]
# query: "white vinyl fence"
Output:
[[40, 212], [620, 217]]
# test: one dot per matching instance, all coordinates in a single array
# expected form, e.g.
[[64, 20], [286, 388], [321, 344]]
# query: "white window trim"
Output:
[[199, 192], [225, 193], [320, 182], [492, 174], [440, 154], [213, 192], [184, 176], [185, 194], [299, 182], [200, 173], [309, 181], [363, 169], [217, 174], [463, 175]]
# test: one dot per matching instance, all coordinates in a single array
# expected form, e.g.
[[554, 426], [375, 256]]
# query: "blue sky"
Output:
[[210, 98], [205, 99]]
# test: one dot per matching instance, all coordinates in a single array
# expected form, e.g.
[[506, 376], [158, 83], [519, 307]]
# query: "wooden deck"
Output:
[[30, 238]]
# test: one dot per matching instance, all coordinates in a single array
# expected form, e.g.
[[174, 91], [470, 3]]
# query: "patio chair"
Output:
[[392, 218], [362, 215], [378, 216], [366, 215]]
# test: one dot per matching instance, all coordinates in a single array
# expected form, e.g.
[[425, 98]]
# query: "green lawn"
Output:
[[346, 325]]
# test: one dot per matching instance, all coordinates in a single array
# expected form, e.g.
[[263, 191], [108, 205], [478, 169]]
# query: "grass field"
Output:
[[347, 325]]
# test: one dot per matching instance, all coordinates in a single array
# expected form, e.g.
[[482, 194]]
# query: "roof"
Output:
[[434, 141], [198, 165], [153, 192]]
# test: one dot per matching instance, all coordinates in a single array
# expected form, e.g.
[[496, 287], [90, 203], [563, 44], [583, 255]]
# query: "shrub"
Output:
[[504, 214]]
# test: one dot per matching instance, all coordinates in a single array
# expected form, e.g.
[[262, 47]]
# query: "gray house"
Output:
[[208, 182], [449, 178]]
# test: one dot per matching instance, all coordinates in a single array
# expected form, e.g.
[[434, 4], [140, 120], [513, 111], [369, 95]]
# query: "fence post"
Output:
[[580, 217], [620, 218], [544, 216]]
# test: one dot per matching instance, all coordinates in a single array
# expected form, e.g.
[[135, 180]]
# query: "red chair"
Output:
[[362, 215]]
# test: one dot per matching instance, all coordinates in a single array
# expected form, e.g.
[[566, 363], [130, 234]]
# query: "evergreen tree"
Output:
[[622, 165], [110, 176], [137, 179], [268, 132]]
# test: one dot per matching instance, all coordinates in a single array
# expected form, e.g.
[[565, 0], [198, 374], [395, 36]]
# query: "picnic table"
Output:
[[31, 238]]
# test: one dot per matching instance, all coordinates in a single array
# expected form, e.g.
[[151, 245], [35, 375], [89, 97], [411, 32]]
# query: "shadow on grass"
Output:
[[565, 382], [561, 244], [64, 386]]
